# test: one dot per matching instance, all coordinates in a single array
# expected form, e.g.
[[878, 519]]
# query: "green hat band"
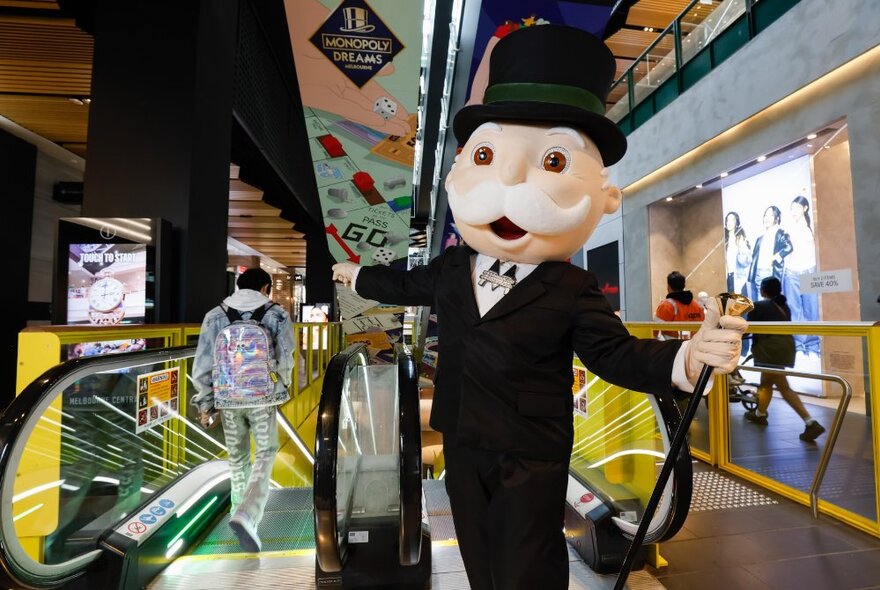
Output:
[[549, 93]]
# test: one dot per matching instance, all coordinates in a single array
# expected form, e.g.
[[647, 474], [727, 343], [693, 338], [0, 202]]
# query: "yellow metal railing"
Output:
[[850, 354]]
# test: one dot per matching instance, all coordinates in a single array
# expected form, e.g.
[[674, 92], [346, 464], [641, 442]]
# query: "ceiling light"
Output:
[[762, 158], [668, 199], [76, 101], [724, 175], [700, 185], [812, 136], [87, 100]]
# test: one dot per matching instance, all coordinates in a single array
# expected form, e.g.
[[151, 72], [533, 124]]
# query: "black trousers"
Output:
[[508, 513]]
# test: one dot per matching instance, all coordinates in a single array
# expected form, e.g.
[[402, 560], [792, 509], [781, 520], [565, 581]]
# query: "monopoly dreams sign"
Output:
[[350, 52]]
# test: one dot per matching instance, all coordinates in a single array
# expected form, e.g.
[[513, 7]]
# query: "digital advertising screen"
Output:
[[315, 312], [106, 284], [112, 271]]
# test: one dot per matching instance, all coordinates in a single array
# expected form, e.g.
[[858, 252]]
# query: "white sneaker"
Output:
[[246, 533]]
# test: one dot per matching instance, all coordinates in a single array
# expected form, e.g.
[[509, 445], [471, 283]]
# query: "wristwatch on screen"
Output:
[[106, 300]]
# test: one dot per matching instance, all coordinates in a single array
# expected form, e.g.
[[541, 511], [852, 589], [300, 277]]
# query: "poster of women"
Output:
[[769, 226]]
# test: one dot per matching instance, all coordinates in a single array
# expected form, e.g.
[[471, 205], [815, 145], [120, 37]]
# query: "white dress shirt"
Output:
[[486, 296]]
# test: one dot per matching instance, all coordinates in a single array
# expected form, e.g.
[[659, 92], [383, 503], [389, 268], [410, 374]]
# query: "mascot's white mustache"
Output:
[[525, 205]]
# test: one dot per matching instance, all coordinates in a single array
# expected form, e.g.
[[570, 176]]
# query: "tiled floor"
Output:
[[777, 546]]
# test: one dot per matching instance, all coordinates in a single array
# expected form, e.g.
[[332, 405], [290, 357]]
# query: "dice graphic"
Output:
[[383, 256], [385, 107]]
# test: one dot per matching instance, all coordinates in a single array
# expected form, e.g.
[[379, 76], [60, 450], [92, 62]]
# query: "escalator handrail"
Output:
[[329, 549], [16, 425], [410, 434]]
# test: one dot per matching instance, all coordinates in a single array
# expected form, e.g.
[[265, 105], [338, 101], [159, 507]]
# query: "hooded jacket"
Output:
[[279, 325], [679, 306]]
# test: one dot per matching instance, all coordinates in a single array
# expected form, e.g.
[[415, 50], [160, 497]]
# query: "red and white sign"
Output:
[[137, 528]]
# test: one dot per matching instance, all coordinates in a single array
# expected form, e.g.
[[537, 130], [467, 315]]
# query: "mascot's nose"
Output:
[[512, 170]]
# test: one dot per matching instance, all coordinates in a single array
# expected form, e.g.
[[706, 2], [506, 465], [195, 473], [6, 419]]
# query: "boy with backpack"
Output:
[[242, 369]]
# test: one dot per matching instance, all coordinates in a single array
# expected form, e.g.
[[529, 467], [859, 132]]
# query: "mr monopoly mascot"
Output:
[[526, 191]]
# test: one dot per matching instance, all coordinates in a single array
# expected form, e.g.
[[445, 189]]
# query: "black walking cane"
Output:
[[728, 304]]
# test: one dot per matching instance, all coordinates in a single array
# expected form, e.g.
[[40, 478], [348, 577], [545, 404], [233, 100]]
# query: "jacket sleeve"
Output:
[[784, 246], [398, 287], [285, 346], [665, 311], [607, 349], [203, 367]]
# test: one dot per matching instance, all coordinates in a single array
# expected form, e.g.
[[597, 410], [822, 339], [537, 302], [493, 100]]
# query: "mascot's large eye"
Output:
[[483, 154], [556, 159]]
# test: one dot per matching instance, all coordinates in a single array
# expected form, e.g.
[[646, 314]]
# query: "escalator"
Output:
[[98, 494], [613, 468]]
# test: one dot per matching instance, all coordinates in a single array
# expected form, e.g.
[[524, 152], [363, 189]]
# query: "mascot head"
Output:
[[530, 184]]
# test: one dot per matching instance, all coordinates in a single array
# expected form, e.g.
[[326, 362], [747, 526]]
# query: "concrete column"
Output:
[[160, 132]]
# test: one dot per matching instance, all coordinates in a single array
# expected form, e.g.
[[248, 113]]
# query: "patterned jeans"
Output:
[[250, 484]]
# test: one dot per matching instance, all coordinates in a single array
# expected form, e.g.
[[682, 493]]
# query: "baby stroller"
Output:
[[739, 390]]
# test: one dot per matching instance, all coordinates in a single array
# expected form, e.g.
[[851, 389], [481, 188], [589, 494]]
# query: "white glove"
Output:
[[344, 272], [715, 346]]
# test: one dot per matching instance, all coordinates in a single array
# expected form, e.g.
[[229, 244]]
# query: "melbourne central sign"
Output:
[[357, 41]]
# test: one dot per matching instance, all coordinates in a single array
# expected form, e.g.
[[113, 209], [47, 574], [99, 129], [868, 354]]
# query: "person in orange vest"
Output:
[[679, 305]]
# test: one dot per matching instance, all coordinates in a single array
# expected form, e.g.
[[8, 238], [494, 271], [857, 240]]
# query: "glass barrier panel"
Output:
[[699, 432], [774, 446], [348, 450], [109, 442], [374, 405], [97, 453], [618, 448], [618, 97], [654, 67], [703, 23]]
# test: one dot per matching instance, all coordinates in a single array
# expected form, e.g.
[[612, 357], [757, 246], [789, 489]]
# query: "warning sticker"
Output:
[[157, 397]]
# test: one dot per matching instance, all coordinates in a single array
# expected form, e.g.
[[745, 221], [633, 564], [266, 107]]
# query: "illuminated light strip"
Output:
[[618, 422], [37, 490], [58, 424], [65, 414], [174, 548], [249, 556], [164, 425], [30, 510], [81, 450], [102, 479], [131, 434], [122, 231], [127, 417], [608, 402], [599, 443], [204, 509], [624, 428], [199, 493], [620, 430], [619, 454], [294, 437]]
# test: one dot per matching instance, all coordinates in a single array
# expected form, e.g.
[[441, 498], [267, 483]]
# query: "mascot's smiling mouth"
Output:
[[506, 229]]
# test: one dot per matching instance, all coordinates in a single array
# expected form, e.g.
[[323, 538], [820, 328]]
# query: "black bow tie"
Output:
[[493, 277]]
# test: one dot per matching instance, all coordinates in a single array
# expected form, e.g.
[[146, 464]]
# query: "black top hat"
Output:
[[554, 74]]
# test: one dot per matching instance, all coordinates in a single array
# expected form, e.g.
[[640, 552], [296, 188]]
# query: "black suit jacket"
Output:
[[504, 380]]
